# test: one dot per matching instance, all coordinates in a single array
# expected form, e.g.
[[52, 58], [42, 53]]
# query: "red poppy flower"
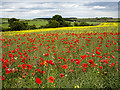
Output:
[[43, 72], [39, 70], [38, 81], [100, 67], [23, 66], [106, 61], [29, 66], [113, 64], [84, 65], [7, 71], [83, 57], [51, 79], [77, 62], [91, 61], [113, 56], [13, 51], [97, 52], [64, 66], [2, 78], [61, 75], [93, 55]]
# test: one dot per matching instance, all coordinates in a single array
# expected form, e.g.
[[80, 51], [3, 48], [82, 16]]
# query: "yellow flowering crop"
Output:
[[80, 28]]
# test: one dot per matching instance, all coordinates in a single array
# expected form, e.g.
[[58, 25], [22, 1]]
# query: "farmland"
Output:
[[66, 57], [43, 21]]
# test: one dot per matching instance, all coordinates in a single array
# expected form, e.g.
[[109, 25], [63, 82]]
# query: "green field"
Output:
[[72, 23], [38, 23], [4, 22]]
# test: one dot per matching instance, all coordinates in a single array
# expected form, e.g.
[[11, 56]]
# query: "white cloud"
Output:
[[60, 0], [99, 7]]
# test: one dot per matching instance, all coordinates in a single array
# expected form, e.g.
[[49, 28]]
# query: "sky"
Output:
[[30, 9]]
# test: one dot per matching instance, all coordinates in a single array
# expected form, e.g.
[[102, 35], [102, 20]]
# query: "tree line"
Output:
[[54, 22]]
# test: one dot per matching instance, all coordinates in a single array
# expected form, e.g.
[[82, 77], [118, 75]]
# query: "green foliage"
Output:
[[32, 26], [83, 24], [66, 24], [53, 24], [19, 25], [59, 19], [76, 24], [15, 24]]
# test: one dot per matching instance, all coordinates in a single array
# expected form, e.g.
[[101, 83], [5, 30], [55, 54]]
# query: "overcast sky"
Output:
[[29, 9]]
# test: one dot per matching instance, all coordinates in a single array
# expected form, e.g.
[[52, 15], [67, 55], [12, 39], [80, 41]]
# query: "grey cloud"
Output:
[[109, 6]]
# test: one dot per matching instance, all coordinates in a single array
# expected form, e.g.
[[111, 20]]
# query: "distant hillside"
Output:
[[102, 19]]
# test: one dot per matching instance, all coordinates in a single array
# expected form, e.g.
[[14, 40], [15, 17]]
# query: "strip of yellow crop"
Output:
[[81, 28]]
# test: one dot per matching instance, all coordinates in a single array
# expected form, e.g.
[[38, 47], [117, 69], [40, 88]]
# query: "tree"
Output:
[[53, 24], [15, 24], [59, 19], [76, 24], [10, 21], [32, 26], [19, 25], [83, 24]]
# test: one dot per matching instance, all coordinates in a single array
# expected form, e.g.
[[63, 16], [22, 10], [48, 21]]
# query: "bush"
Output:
[[32, 26], [57, 21], [66, 24], [15, 24], [83, 24], [76, 24], [19, 25], [53, 24]]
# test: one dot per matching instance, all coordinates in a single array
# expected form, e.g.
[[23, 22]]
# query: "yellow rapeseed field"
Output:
[[102, 26]]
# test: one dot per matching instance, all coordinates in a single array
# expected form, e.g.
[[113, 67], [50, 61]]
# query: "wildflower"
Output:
[[77, 86], [51, 79], [29, 66], [113, 56], [64, 66], [77, 62], [91, 61], [97, 52], [13, 51], [23, 66], [2, 78], [105, 73], [38, 80], [61, 75], [93, 55], [100, 67]]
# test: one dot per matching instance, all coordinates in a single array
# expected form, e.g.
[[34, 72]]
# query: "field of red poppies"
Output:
[[60, 59]]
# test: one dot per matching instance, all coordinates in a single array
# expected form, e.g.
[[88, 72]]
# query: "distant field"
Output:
[[94, 22], [72, 23], [4, 23], [38, 23]]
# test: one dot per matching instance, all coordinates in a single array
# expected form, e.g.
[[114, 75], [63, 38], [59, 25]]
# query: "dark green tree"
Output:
[[15, 24], [32, 26], [19, 25], [53, 24], [83, 24], [11, 20], [76, 24], [59, 19]]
